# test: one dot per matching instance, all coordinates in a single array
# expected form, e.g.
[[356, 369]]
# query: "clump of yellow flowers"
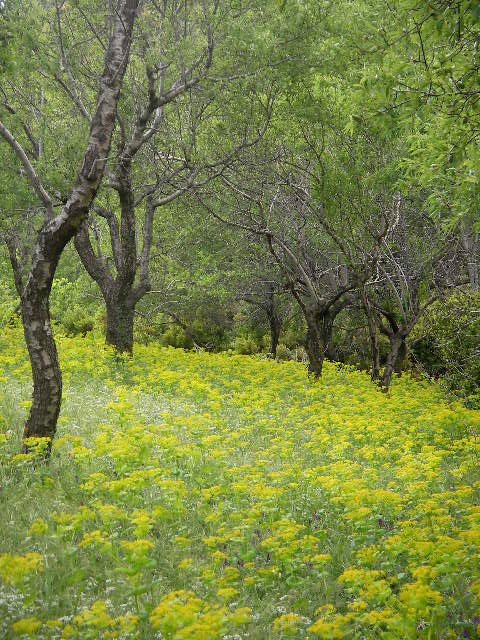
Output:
[[182, 615], [15, 569], [196, 496]]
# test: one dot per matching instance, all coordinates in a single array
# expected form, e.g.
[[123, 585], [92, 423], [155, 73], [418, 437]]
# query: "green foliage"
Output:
[[8, 296], [449, 343], [8, 303], [245, 345], [424, 87], [175, 336], [73, 306]]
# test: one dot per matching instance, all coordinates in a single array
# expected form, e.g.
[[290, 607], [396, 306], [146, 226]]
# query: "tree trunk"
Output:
[[374, 351], [34, 306], [327, 337], [314, 347], [119, 325], [396, 341], [401, 363], [47, 377]]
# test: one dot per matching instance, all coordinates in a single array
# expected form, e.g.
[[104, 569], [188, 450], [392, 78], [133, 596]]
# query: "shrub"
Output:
[[448, 343], [73, 307], [284, 353], [245, 345]]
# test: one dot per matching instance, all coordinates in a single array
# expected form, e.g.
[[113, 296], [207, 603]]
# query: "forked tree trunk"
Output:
[[120, 292], [320, 320]]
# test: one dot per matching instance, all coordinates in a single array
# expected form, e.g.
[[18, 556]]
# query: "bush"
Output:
[[245, 345], [74, 309], [175, 336], [284, 353], [448, 343]]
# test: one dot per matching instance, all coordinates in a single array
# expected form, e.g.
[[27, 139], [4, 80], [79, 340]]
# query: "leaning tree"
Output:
[[64, 218]]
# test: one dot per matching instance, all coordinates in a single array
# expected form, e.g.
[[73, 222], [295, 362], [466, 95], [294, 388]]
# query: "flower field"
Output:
[[197, 496]]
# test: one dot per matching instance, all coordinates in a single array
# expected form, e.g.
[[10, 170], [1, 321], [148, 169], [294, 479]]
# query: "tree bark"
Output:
[[314, 346], [119, 324]]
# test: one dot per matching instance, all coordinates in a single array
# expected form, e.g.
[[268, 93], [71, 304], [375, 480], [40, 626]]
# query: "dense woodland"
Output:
[[294, 180]]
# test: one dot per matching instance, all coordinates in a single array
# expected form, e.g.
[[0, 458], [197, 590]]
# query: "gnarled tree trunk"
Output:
[[120, 293], [320, 318], [47, 377]]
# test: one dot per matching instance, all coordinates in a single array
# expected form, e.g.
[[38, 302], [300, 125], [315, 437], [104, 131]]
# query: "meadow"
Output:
[[201, 496]]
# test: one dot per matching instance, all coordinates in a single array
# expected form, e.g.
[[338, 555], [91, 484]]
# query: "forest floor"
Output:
[[202, 496]]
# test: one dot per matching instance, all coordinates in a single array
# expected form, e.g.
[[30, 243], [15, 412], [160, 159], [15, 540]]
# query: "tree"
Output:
[[121, 291], [418, 265], [182, 102], [270, 208], [424, 85], [59, 228]]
